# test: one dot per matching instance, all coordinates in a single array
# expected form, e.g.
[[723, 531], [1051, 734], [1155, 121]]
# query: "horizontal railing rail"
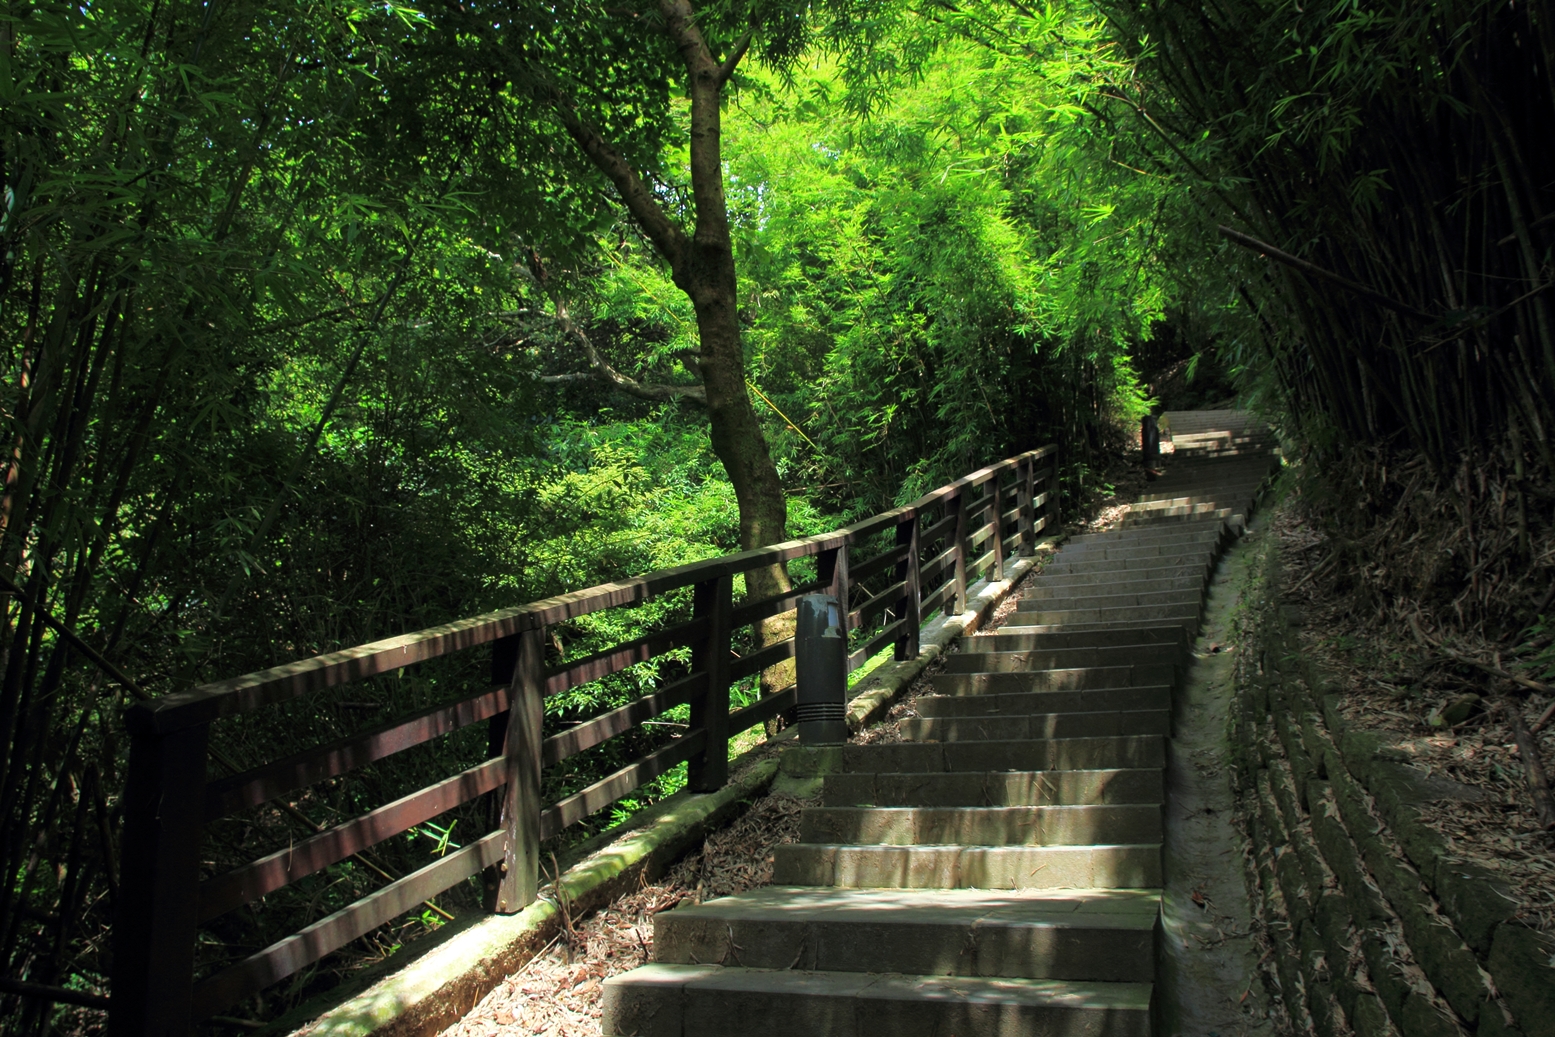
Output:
[[939, 546]]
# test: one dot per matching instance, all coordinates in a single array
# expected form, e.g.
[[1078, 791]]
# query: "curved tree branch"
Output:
[[667, 237], [730, 63], [601, 370]]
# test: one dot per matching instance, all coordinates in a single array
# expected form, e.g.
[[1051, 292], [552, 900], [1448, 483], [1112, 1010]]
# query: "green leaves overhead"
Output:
[[936, 279]]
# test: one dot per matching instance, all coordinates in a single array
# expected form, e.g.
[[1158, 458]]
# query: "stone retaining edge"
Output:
[[1377, 929], [439, 987]]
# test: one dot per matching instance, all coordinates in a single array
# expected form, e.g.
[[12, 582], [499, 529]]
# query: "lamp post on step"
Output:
[[821, 662]]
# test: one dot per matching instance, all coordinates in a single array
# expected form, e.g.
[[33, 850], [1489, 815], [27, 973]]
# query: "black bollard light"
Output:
[[821, 659]]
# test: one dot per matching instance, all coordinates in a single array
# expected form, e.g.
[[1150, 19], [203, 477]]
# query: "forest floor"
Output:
[[1392, 683], [559, 993]]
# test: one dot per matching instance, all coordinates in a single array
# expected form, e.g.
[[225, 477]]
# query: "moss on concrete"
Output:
[[1334, 816], [1523, 964]]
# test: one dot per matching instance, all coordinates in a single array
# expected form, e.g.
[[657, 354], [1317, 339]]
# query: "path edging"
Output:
[[438, 988], [1351, 879]]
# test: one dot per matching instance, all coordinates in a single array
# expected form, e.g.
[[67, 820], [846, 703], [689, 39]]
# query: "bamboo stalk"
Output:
[[1279, 255]]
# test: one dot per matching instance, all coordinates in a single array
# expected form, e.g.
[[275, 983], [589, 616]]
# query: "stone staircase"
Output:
[[1207, 434], [999, 873]]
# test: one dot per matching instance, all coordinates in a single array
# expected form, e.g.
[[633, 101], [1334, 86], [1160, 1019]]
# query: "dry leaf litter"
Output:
[[1391, 683]]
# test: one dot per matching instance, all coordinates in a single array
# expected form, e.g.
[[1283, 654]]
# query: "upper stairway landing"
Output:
[[999, 873]]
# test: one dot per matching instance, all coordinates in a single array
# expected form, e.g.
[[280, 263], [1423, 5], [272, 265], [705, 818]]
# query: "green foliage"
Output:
[[1400, 151], [961, 274]]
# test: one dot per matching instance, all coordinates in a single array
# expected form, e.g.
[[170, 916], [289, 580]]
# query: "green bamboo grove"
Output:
[[1400, 150]]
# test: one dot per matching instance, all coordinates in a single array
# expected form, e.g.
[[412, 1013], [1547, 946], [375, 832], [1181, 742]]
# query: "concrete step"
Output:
[[1183, 595], [1076, 629], [1105, 572], [1227, 498], [1213, 469], [1017, 634], [1205, 535], [709, 1001], [1222, 433], [1048, 754], [1212, 418], [1203, 472], [1221, 453], [1186, 614], [1208, 528], [1038, 725], [1222, 496], [1135, 580], [1060, 658], [1196, 453], [994, 788], [1017, 934], [1056, 585], [1225, 494], [1222, 439], [960, 867], [1142, 514], [1058, 825], [1029, 703], [1173, 552], [1139, 675], [1023, 774]]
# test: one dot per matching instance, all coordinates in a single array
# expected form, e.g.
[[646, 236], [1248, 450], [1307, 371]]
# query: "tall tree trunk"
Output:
[[706, 274], [702, 266]]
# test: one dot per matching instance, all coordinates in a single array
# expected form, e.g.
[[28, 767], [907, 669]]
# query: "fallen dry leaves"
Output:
[[1390, 683], [559, 992]]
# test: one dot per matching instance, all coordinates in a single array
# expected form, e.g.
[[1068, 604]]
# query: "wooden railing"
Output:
[[937, 546]]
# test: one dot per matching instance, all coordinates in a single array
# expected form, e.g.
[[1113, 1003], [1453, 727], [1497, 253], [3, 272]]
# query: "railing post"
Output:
[[1055, 521], [997, 518], [908, 606], [1026, 476], [518, 878], [156, 913], [709, 770], [961, 551], [832, 570]]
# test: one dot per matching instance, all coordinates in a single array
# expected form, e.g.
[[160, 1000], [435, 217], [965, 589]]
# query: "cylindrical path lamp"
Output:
[[821, 659]]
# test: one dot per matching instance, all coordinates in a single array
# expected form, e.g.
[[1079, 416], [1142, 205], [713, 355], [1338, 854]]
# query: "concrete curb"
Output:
[[438, 988]]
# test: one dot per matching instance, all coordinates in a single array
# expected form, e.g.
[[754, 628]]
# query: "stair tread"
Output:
[[954, 866], [1107, 908], [1015, 913], [1081, 995]]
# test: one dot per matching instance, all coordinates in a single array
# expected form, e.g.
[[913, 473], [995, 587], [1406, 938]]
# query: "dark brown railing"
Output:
[[942, 543]]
